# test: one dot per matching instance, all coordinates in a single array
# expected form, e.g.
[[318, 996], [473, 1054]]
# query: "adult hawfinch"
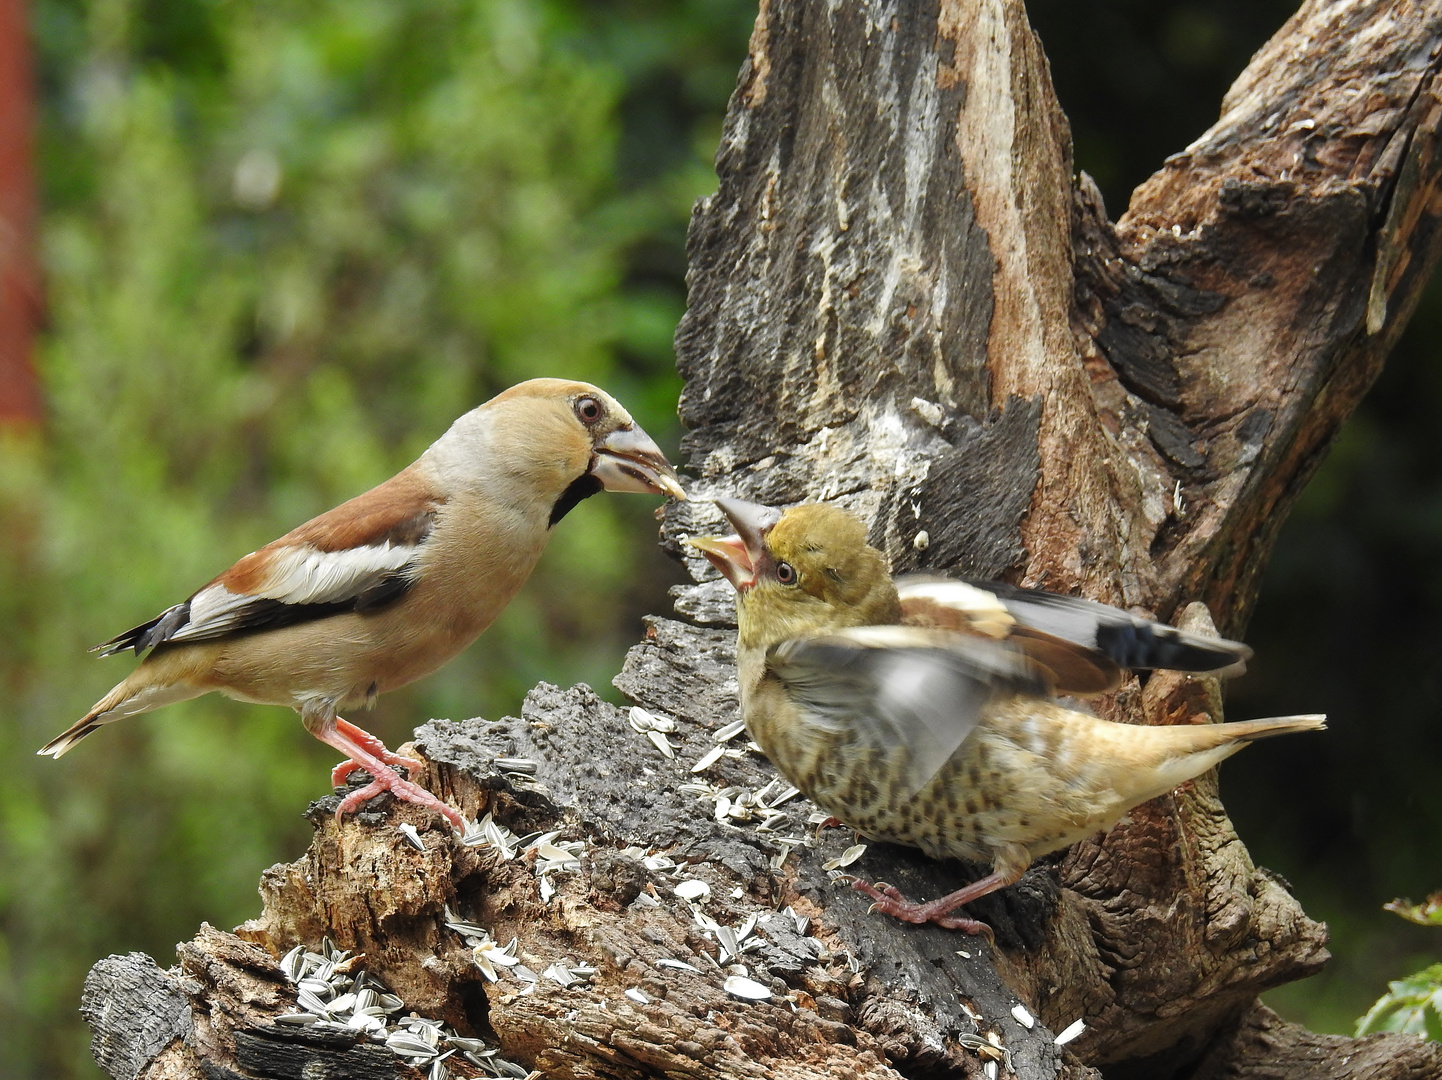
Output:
[[387, 587]]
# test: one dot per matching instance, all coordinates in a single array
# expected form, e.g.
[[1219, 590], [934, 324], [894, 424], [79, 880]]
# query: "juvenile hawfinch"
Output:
[[922, 714], [387, 587]]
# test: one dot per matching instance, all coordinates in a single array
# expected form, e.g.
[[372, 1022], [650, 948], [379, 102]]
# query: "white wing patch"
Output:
[[298, 575], [987, 614], [304, 575]]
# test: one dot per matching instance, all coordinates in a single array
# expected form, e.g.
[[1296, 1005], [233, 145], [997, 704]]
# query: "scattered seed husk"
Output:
[[475, 1046], [730, 947], [299, 1019], [846, 858], [709, 758], [663, 744], [524, 766], [677, 965], [747, 989], [560, 973], [409, 1045], [551, 852], [693, 890], [801, 922], [785, 796], [644, 721], [1023, 1016], [639, 996], [1070, 1032], [730, 731], [293, 963], [413, 837]]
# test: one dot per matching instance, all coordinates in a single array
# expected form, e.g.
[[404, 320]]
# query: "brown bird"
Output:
[[387, 587], [932, 723]]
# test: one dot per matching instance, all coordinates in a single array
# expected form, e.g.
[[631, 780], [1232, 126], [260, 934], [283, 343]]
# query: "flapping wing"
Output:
[[360, 556], [1084, 644], [895, 686]]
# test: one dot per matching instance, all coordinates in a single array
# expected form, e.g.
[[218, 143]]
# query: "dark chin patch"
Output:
[[583, 487]]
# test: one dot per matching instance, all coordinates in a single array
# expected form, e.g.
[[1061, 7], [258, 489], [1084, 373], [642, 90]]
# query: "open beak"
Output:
[[629, 460], [739, 556]]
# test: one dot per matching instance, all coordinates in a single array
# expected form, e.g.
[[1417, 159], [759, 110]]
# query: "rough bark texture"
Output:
[[901, 300]]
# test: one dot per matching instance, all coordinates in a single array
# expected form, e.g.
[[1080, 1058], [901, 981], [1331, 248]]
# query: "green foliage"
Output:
[[286, 244], [1427, 913], [1412, 1005]]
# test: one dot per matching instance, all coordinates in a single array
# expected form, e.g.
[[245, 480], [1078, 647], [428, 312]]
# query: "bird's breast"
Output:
[[1012, 782]]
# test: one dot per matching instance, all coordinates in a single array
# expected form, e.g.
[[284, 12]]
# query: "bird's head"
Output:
[[567, 440], [807, 570]]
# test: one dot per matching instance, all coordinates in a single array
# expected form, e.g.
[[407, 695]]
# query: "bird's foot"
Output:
[[387, 779], [889, 900], [339, 774], [369, 753], [374, 747]]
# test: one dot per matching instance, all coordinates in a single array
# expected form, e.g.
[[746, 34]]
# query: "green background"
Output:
[[285, 244]]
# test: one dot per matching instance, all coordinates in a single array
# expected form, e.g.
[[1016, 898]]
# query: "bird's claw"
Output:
[[401, 789], [339, 774], [889, 900]]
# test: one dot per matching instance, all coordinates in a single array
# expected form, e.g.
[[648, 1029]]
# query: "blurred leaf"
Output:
[[1410, 1005], [1427, 913]]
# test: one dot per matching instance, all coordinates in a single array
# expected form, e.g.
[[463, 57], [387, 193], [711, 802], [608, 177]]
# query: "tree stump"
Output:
[[901, 300]]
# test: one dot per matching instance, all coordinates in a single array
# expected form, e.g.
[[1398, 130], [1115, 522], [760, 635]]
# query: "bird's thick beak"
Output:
[[629, 460], [739, 556]]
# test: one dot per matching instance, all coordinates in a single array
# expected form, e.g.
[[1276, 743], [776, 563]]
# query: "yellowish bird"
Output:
[[389, 586], [922, 711]]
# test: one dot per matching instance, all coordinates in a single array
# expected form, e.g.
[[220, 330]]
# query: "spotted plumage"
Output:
[[925, 715]]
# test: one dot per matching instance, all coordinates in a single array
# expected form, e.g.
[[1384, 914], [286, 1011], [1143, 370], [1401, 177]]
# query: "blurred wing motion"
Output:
[[1083, 645], [898, 689]]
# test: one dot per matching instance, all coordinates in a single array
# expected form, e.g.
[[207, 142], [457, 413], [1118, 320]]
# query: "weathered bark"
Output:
[[901, 300]]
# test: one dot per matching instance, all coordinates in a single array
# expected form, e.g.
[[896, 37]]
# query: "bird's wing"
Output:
[[895, 687], [1083, 643], [358, 557]]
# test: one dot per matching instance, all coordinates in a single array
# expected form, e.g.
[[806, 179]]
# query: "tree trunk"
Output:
[[901, 300]]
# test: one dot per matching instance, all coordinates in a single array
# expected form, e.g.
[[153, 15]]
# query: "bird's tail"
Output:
[[149, 686], [1246, 731], [1164, 757]]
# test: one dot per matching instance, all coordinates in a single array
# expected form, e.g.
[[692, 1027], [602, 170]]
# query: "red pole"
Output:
[[20, 300]]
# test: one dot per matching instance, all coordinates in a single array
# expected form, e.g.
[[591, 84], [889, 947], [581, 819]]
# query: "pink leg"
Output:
[[889, 900], [360, 746], [373, 745]]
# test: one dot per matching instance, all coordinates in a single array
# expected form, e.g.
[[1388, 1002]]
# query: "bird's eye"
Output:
[[589, 410], [786, 573]]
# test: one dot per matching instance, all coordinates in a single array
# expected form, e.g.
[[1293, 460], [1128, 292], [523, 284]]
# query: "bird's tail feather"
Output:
[[1245, 731], [1153, 760], [137, 694]]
